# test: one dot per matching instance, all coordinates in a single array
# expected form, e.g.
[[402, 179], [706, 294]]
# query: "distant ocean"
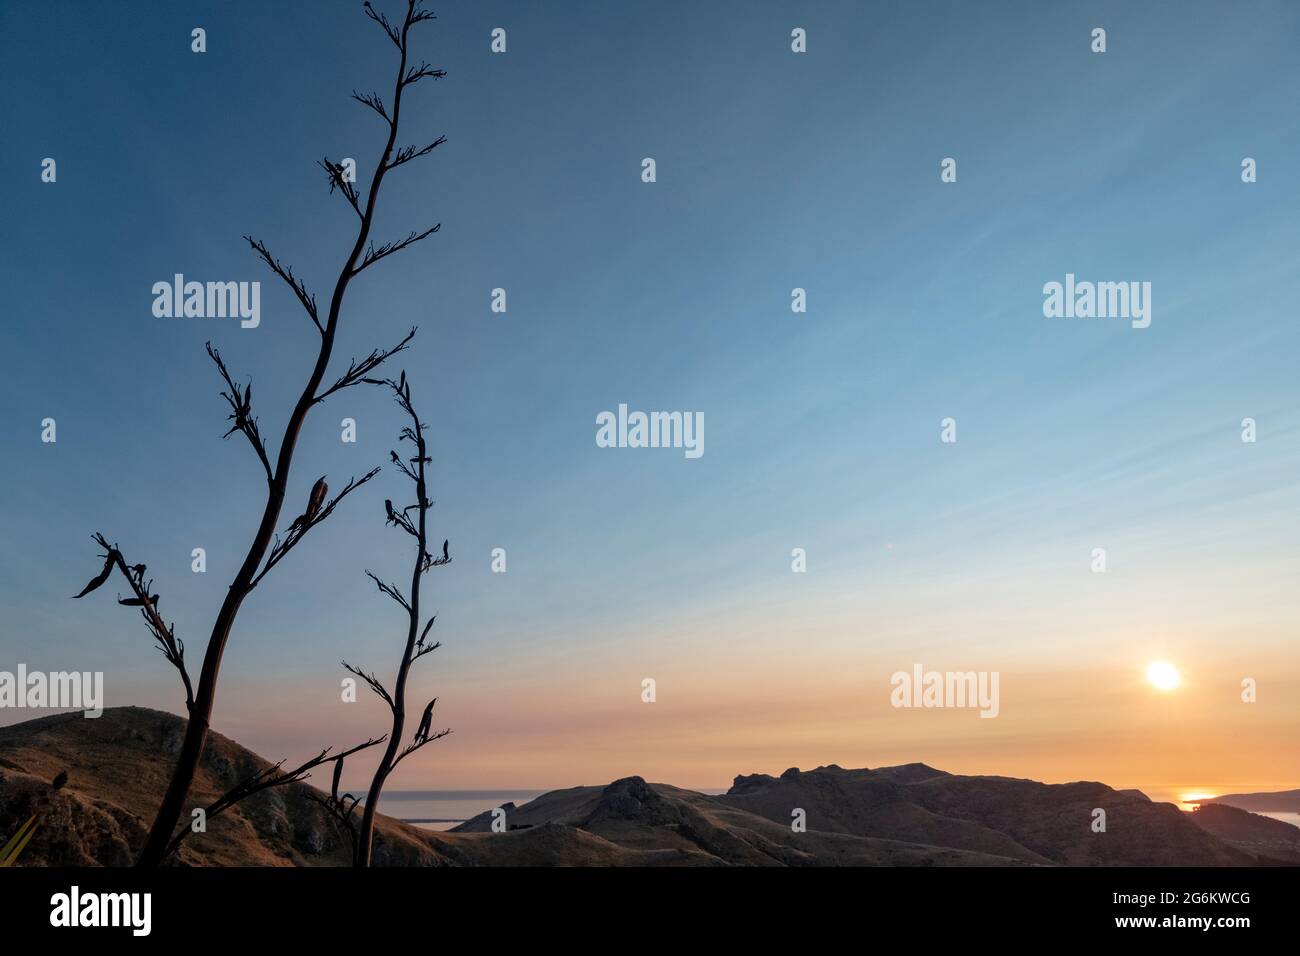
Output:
[[1179, 796], [1291, 818], [443, 809]]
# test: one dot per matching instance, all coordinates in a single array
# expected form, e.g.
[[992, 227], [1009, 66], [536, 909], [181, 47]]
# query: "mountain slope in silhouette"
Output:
[[911, 815], [1281, 801], [1023, 819]]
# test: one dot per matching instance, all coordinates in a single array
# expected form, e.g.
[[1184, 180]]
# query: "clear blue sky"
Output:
[[775, 170]]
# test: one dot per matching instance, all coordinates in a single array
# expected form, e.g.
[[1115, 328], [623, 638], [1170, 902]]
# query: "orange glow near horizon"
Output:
[[1062, 718], [1188, 801], [711, 722]]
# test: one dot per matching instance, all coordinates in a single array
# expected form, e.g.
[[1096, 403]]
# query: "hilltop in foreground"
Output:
[[913, 815]]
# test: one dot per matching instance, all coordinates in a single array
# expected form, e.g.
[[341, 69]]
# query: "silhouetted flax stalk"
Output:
[[417, 643], [162, 837]]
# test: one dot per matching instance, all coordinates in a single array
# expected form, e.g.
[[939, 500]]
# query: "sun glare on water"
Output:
[[1163, 675], [1189, 801]]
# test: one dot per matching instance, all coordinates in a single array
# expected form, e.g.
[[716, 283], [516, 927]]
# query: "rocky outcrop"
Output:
[[1023, 819]]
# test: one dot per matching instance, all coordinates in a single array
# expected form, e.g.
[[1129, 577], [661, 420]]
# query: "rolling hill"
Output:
[[911, 815]]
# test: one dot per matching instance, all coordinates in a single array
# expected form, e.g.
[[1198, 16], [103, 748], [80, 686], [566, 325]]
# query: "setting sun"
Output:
[[1163, 675]]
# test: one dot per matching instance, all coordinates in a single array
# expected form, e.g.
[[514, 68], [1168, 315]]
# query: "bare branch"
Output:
[[391, 590], [396, 459], [422, 734], [341, 810], [337, 178], [357, 371], [387, 27], [339, 807], [173, 649], [416, 745], [431, 562], [374, 101], [266, 547], [413, 433], [374, 254], [425, 633], [338, 775], [408, 153], [375, 683], [417, 640], [418, 15], [421, 647], [417, 73], [286, 273], [241, 406], [399, 518], [264, 779], [304, 523]]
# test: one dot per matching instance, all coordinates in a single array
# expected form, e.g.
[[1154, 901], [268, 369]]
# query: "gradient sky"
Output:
[[822, 430]]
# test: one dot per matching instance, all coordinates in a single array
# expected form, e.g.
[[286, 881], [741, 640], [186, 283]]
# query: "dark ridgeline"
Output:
[[268, 548], [911, 815], [417, 643]]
